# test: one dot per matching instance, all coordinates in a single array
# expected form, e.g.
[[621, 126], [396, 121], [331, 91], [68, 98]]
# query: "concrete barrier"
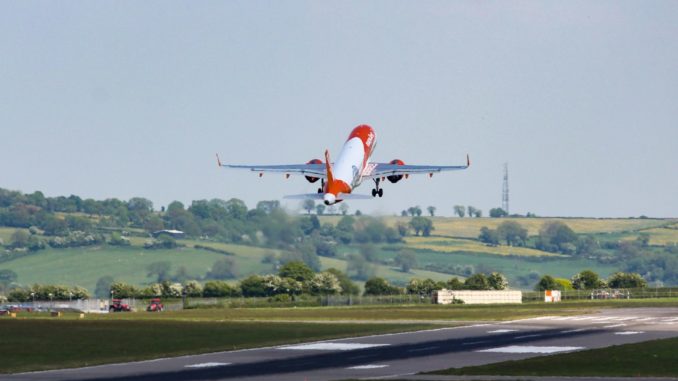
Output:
[[478, 297]]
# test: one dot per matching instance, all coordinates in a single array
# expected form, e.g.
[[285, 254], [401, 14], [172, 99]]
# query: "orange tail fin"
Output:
[[330, 177]]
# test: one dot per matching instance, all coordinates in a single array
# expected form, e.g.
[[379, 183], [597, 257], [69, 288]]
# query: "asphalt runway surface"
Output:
[[395, 355]]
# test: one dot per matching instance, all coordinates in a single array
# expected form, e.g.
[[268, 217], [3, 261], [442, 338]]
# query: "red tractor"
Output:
[[155, 306], [118, 306]]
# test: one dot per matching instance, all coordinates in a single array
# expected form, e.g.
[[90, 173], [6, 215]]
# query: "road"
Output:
[[395, 355]]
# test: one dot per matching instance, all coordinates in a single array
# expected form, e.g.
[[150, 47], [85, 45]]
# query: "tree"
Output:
[[343, 208], [431, 211], [253, 285], [626, 280], [308, 205], [159, 270], [512, 232], [587, 280], [471, 211], [498, 213], [406, 260], [223, 269], [460, 210], [20, 238], [103, 287], [547, 282], [216, 288], [325, 283], [379, 286], [454, 284], [357, 267], [347, 286], [477, 282], [556, 236], [423, 287], [296, 270], [497, 281], [320, 209], [488, 236], [421, 224]]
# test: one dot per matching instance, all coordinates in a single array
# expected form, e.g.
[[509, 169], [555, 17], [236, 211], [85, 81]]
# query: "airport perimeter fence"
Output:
[[601, 294], [307, 301]]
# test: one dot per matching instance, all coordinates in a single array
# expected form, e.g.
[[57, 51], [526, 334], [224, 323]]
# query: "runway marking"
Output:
[[624, 318], [530, 349], [423, 349], [526, 336], [207, 365], [564, 318], [503, 331], [603, 319], [628, 333], [615, 325], [476, 342], [670, 319], [584, 318], [574, 330], [331, 346], [369, 366], [646, 319]]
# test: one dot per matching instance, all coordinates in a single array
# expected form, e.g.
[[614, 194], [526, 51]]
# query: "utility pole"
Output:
[[505, 191]]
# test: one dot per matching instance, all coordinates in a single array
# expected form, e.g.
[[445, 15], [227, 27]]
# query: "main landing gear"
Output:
[[322, 186], [377, 191]]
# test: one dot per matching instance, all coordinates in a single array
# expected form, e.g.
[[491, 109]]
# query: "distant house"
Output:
[[170, 232]]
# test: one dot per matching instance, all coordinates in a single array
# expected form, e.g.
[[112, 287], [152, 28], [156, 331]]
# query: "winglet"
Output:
[[330, 177], [468, 161], [218, 160]]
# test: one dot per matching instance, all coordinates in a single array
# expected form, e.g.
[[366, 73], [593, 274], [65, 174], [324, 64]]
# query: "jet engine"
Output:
[[395, 178], [312, 179]]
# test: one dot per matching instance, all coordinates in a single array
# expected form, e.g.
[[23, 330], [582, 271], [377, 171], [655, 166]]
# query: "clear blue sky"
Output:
[[126, 98]]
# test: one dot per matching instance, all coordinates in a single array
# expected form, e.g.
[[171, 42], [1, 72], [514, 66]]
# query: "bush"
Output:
[[379, 286], [216, 288]]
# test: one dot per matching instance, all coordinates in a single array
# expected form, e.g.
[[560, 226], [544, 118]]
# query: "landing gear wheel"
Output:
[[380, 192], [320, 190], [374, 193]]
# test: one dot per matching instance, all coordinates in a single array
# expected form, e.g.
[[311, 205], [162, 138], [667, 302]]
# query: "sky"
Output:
[[124, 98]]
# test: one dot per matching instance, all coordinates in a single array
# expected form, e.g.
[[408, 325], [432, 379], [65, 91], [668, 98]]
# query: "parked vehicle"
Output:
[[155, 306], [119, 306]]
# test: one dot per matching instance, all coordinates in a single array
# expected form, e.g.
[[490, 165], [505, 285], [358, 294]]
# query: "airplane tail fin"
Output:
[[328, 167]]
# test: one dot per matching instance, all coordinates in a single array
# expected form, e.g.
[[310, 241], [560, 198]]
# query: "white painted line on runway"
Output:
[[626, 318], [530, 349], [331, 346], [603, 319], [670, 319], [628, 333], [369, 366], [207, 365], [503, 331], [574, 330], [561, 318], [526, 336], [646, 319], [423, 349], [615, 325], [584, 318]]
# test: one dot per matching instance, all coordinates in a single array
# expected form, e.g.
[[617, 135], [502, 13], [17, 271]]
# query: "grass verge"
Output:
[[657, 358], [42, 344]]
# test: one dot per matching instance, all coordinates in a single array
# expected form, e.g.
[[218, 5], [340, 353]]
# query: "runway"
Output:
[[396, 355]]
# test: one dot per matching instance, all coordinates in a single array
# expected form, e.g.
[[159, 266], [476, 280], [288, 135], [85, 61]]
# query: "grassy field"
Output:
[[40, 344], [656, 358], [451, 245], [6, 234], [83, 266], [470, 227]]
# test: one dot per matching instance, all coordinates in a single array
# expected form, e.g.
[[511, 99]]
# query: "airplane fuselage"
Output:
[[348, 169]]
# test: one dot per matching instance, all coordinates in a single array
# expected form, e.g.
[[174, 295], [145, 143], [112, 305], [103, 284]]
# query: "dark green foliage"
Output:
[[379, 286], [547, 282], [587, 280], [421, 225], [406, 260], [512, 233], [626, 280], [498, 213], [556, 236], [347, 286], [477, 282], [215, 288], [103, 287], [454, 284], [488, 236], [357, 267], [253, 285], [296, 270], [223, 269]]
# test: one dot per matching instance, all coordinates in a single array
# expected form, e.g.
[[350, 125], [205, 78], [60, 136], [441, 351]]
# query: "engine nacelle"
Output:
[[312, 179], [395, 178]]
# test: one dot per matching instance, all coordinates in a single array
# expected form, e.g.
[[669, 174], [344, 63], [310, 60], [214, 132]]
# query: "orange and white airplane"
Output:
[[339, 179]]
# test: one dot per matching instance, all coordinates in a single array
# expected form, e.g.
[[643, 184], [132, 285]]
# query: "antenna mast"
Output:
[[505, 191]]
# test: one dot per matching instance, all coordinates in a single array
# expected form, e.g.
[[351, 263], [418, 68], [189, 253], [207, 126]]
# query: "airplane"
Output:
[[339, 179]]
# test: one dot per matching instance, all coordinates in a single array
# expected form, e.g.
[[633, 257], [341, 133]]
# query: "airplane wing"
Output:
[[374, 170], [314, 170]]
